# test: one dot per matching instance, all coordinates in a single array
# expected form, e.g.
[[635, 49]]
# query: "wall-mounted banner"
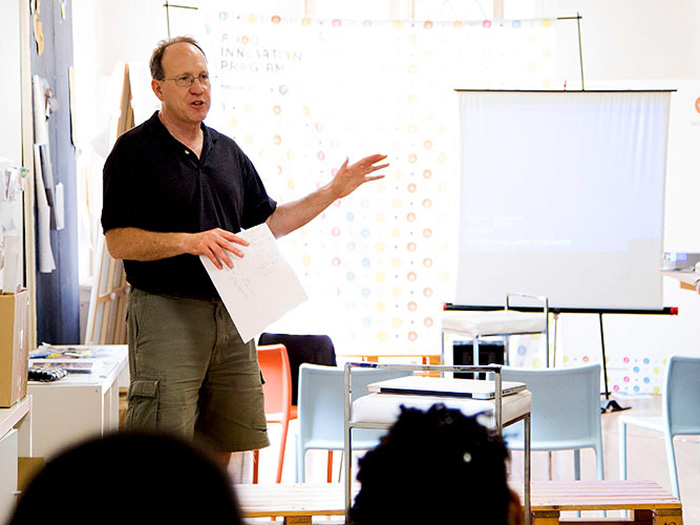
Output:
[[301, 95]]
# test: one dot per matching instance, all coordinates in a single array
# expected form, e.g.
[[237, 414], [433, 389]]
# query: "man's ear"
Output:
[[157, 89]]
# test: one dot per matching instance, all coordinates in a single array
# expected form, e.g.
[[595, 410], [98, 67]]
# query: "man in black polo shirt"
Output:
[[175, 189]]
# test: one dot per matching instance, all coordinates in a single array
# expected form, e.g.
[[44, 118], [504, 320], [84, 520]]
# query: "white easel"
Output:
[[106, 315]]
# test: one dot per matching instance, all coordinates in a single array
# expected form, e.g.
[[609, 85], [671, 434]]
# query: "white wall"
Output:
[[10, 116], [635, 39], [10, 87]]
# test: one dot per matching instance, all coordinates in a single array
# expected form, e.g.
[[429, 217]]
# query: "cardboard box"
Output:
[[27, 469], [13, 347]]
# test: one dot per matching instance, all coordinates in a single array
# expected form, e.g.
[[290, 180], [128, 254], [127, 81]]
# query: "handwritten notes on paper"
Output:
[[261, 287]]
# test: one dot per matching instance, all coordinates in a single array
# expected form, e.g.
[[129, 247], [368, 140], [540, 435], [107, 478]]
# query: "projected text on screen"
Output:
[[562, 194]]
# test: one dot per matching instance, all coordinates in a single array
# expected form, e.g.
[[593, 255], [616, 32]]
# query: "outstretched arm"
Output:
[[293, 215]]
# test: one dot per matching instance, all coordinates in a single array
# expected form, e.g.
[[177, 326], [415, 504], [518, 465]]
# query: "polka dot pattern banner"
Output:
[[301, 96], [628, 374]]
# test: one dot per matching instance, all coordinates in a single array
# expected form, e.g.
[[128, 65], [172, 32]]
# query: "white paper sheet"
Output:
[[12, 272], [261, 287], [46, 260]]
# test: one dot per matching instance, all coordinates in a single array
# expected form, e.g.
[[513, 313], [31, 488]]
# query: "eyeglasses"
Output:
[[188, 80]]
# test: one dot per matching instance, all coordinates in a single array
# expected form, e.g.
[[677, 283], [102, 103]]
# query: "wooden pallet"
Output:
[[646, 502], [297, 504]]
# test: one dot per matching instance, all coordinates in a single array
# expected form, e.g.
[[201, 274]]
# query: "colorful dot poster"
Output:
[[302, 95]]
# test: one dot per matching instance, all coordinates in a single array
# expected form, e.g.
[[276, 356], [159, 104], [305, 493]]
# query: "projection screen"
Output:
[[562, 195]]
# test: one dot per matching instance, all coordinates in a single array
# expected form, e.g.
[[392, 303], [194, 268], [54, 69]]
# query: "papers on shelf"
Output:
[[47, 351], [261, 287]]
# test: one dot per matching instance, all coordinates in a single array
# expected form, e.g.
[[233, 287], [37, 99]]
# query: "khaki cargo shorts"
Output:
[[191, 374]]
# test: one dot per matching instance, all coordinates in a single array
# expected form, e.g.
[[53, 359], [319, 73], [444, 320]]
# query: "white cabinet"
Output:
[[9, 451], [15, 441], [79, 406]]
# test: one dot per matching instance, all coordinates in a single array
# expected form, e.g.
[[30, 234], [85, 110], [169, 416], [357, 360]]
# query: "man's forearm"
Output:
[[288, 217], [220, 246], [293, 215], [143, 245]]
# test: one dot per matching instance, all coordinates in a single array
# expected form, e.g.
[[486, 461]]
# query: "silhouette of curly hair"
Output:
[[434, 466]]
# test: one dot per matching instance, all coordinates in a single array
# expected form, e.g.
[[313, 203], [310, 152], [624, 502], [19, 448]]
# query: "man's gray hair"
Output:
[[156, 63]]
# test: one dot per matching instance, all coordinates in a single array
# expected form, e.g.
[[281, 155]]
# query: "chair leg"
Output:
[[256, 461], [623, 450], [300, 470], [672, 468], [329, 468], [599, 462], [283, 447], [577, 472]]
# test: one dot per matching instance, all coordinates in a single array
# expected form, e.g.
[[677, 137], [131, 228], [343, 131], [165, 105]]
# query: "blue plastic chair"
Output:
[[565, 411], [680, 413], [321, 410]]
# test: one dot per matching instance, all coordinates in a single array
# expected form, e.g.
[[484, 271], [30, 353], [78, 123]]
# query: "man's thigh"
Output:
[[232, 407], [170, 347]]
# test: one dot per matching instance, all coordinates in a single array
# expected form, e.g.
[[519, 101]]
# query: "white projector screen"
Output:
[[562, 195]]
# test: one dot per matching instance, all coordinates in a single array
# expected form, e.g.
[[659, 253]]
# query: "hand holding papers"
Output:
[[260, 288]]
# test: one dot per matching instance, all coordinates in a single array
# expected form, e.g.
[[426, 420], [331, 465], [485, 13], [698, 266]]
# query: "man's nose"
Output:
[[197, 85]]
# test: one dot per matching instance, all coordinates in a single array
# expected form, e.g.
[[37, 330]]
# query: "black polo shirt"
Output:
[[154, 182]]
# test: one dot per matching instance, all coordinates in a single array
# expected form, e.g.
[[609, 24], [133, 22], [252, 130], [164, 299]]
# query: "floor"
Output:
[[646, 458]]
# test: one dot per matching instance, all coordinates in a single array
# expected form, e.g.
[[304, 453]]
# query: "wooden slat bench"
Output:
[[297, 504], [647, 502]]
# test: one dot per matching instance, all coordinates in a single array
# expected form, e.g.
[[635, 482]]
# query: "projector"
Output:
[[680, 260]]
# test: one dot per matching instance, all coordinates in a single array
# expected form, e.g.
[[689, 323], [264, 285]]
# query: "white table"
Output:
[[79, 406], [15, 441]]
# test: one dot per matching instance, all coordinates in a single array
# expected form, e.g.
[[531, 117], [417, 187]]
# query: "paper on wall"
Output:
[[46, 260], [41, 126], [12, 271], [261, 287]]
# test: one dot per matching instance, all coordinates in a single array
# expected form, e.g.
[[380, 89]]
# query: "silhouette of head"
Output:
[[130, 478], [435, 466]]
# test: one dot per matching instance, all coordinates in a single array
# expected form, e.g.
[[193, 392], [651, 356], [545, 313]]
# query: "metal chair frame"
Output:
[[477, 337], [442, 369]]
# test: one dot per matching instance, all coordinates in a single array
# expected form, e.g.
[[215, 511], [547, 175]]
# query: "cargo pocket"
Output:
[[142, 413]]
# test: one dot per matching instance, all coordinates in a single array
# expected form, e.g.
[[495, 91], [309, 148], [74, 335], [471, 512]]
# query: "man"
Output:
[[175, 189]]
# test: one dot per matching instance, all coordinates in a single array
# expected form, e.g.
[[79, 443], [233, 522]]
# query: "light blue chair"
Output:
[[565, 411], [680, 413], [321, 412]]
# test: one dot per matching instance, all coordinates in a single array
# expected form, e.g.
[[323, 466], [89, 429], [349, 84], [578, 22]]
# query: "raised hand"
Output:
[[351, 177]]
